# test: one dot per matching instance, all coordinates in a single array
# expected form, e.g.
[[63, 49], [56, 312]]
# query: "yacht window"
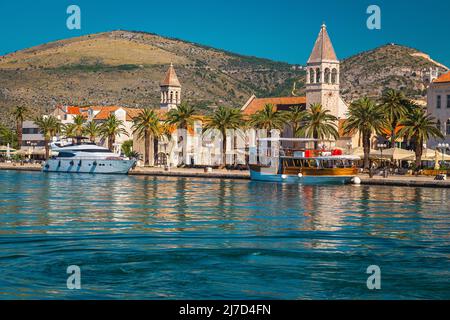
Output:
[[65, 155]]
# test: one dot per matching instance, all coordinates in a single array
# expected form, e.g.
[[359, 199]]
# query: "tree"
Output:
[[395, 107], [127, 149], [268, 119], [319, 124], [111, 128], [296, 118], [19, 115], [78, 126], [420, 127], [92, 130], [68, 130], [223, 119], [49, 126], [146, 126], [182, 117], [365, 116], [8, 136]]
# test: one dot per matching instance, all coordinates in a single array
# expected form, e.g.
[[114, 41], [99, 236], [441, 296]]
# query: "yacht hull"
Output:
[[88, 166]]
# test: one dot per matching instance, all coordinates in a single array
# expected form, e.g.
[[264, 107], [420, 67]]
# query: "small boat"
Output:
[[307, 166], [86, 157]]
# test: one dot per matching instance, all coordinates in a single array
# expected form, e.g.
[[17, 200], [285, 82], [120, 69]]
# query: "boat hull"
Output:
[[88, 166], [261, 175]]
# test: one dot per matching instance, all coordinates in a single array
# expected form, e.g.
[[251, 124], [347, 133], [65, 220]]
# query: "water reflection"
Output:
[[235, 229]]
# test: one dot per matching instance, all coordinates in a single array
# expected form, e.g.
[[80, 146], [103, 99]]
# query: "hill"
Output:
[[391, 66], [125, 68]]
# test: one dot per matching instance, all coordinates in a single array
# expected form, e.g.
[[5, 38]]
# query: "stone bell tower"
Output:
[[170, 90], [322, 76]]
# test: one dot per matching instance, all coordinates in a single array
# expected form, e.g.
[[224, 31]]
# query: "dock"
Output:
[[401, 181]]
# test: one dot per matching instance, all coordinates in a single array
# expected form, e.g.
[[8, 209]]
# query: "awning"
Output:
[[431, 155], [393, 154], [359, 151]]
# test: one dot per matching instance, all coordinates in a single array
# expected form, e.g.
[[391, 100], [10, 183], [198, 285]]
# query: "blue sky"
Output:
[[283, 30]]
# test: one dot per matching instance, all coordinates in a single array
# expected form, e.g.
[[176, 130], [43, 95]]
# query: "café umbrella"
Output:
[[393, 154], [430, 155]]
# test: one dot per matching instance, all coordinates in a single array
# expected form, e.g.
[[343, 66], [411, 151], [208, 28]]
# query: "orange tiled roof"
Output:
[[443, 78], [258, 103], [70, 109], [105, 111], [73, 110], [134, 112]]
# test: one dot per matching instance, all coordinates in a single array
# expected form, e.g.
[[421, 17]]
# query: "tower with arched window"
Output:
[[322, 80], [170, 90]]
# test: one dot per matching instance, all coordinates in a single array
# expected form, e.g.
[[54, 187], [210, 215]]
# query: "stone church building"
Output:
[[322, 86]]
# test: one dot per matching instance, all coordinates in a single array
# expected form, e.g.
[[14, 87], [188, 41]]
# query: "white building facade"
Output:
[[438, 105]]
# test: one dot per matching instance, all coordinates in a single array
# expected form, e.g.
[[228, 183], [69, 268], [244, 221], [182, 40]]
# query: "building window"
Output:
[[438, 102], [318, 74], [438, 125], [448, 101], [30, 131], [447, 125], [312, 77], [327, 75], [334, 76]]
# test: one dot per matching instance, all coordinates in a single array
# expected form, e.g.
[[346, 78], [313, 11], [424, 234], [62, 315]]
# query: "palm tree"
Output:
[[19, 114], [68, 130], [395, 106], [366, 117], [111, 128], [268, 119], [296, 117], [49, 127], [182, 117], [146, 126], [319, 124], [223, 119], [92, 129], [78, 126], [420, 127]]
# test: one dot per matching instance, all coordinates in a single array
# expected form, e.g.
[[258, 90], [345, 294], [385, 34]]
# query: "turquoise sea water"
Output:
[[174, 238]]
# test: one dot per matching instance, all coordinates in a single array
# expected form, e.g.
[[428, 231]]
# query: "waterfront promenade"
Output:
[[408, 181]]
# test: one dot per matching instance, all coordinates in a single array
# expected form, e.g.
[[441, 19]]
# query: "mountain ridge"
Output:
[[124, 68]]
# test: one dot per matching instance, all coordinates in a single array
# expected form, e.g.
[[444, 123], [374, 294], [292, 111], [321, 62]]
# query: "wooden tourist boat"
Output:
[[307, 167]]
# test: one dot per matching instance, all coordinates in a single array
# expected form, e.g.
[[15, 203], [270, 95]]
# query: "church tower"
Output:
[[322, 76], [170, 90]]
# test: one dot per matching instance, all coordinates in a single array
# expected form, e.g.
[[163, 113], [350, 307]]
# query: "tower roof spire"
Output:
[[323, 48], [171, 78]]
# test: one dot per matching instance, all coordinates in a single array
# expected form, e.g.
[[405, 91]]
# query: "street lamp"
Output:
[[444, 147], [382, 146], [349, 146]]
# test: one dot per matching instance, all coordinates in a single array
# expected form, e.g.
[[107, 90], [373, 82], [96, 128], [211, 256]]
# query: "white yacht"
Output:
[[86, 157]]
